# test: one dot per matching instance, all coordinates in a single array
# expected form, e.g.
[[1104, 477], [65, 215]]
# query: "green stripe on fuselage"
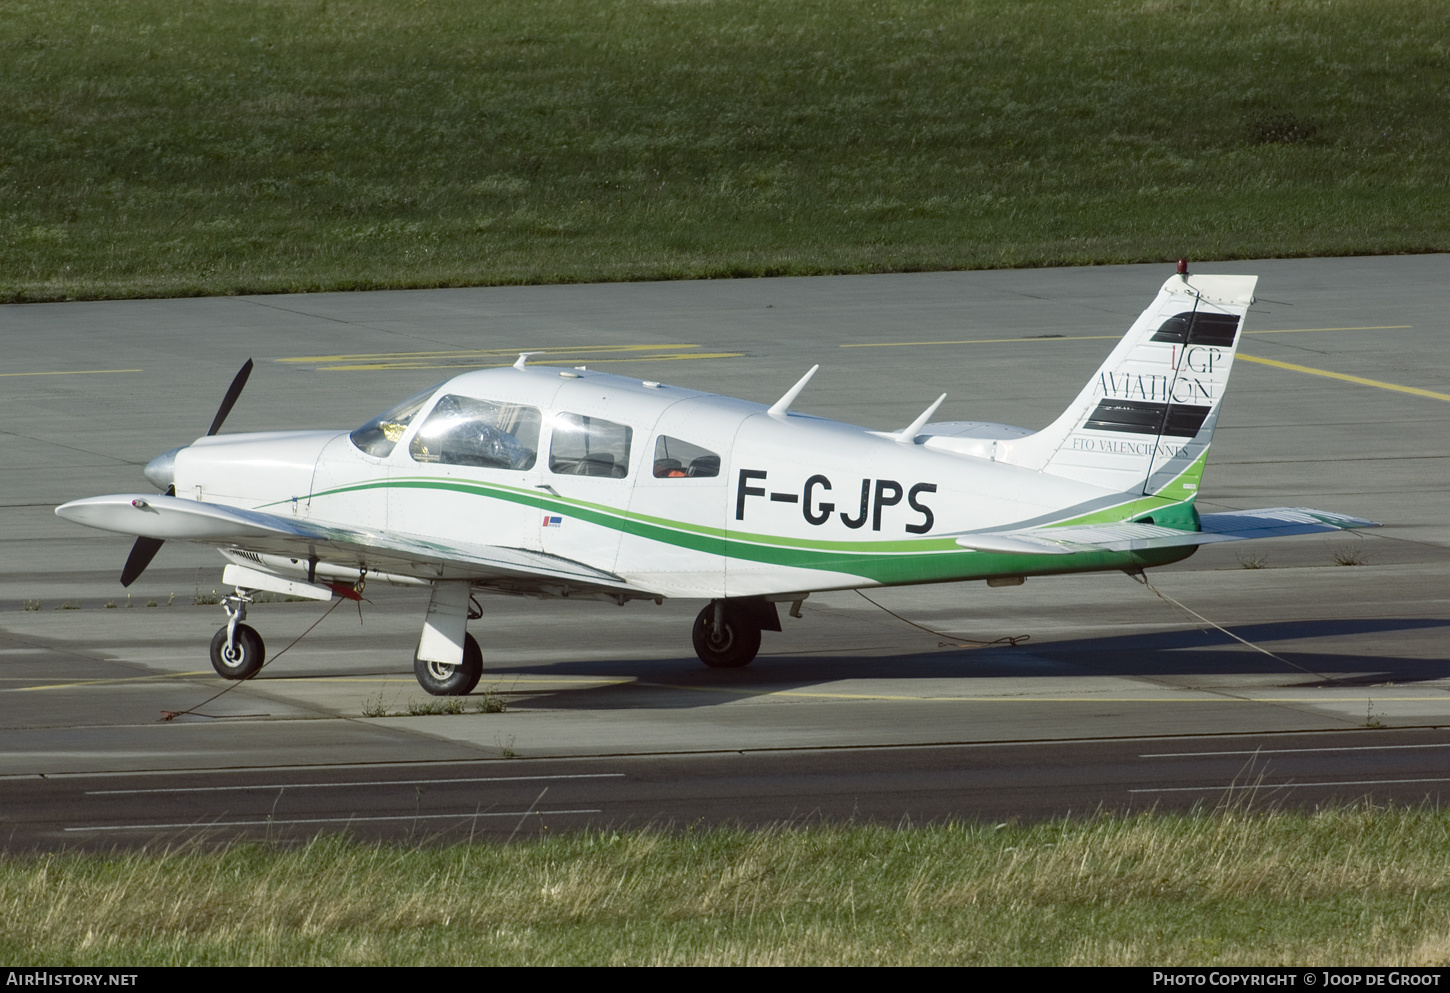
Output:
[[923, 560], [1171, 505]]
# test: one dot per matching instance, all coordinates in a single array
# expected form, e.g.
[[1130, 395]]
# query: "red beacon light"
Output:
[[1182, 267]]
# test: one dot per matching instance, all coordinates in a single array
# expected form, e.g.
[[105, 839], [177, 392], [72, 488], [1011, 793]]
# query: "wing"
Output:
[[163, 517], [1238, 525]]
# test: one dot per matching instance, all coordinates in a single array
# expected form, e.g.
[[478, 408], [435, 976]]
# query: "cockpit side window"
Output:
[[379, 436], [589, 446], [468, 431], [676, 459]]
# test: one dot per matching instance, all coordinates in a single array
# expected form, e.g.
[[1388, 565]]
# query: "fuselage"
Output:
[[675, 491]]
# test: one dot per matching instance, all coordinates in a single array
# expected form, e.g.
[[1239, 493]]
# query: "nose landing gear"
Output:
[[237, 651]]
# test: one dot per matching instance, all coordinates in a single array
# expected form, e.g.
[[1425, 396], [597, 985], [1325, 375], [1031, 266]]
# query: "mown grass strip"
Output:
[[154, 148], [1361, 886]]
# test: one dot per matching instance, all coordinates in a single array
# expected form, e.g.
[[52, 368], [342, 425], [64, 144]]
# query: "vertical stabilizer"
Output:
[[1142, 425]]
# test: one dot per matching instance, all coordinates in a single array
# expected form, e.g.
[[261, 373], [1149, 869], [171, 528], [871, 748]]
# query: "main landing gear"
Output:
[[442, 679], [727, 632]]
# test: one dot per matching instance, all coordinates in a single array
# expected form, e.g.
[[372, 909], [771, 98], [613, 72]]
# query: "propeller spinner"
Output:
[[161, 471]]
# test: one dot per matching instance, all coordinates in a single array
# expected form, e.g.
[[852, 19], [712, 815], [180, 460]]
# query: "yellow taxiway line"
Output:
[[478, 358], [1414, 390]]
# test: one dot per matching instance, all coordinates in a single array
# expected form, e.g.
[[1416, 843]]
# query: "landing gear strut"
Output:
[[237, 651]]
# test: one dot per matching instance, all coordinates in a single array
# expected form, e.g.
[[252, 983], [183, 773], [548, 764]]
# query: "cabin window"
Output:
[[676, 459], [589, 446], [468, 431], [378, 436]]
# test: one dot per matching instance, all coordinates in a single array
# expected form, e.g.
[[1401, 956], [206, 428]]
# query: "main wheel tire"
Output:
[[452, 680], [736, 645], [241, 661]]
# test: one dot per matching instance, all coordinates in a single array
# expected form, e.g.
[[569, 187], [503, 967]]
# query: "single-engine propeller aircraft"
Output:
[[548, 482]]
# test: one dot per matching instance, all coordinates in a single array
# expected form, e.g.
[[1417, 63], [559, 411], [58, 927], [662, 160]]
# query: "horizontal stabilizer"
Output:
[[1238, 525]]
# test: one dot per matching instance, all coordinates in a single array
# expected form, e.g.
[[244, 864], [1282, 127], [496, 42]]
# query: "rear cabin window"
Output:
[[589, 446], [676, 459], [468, 431], [378, 436]]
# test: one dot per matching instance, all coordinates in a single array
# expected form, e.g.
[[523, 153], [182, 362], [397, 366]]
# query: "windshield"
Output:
[[378, 436], [469, 431]]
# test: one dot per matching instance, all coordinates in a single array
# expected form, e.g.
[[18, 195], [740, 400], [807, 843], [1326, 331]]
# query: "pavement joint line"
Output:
[[332, 820], [488, 352], [106, 682], [1094, 337], [982, 341], [1257, 786], [1291, 751], [1359, 380], [69, 372], [278, 681], [1208, 696], [380, 782]]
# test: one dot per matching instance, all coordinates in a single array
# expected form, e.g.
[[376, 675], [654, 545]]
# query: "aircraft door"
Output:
[[585, 483], [678, 507]]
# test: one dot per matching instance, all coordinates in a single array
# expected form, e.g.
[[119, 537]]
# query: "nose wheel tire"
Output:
[[440, 679], [243, 659], [733, 646]]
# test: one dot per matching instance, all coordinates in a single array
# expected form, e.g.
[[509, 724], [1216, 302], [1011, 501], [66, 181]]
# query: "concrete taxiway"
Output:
[[1341, 402]]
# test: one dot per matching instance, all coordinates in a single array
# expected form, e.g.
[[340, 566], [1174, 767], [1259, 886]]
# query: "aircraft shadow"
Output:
[[1187, 657]]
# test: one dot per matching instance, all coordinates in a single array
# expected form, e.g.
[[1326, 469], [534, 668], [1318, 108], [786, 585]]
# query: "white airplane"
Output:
[[548, 482]]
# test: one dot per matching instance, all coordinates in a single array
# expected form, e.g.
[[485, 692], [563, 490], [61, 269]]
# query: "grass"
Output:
[[1358, 886], [1349, 555], [490, 701], [162, 149]]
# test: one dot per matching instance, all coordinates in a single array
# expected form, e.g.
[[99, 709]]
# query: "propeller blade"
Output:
[[141, 555], [229, 401]]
